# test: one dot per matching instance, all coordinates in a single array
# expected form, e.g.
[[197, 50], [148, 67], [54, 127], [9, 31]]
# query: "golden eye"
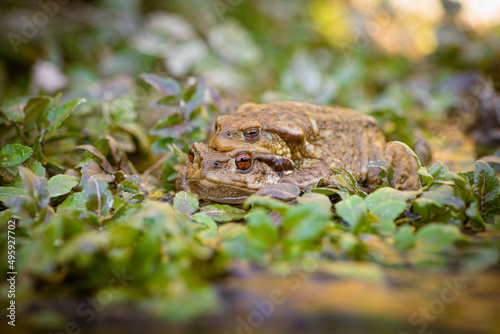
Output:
[[243, 161], [191, 155], [252, 134]]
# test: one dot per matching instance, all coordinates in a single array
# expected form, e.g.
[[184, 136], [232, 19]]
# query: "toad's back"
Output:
[[337, 136]]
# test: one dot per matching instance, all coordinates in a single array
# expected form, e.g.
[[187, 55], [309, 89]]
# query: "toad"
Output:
[[316, 138], [230, 177]]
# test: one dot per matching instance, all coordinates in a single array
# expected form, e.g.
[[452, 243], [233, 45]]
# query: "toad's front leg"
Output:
[[404, 166], [308, 173]]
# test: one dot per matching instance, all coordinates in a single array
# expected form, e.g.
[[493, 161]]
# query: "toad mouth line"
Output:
[[239, 185]]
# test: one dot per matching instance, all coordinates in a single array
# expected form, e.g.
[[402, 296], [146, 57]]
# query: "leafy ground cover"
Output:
[[103, 242], [85, 214]]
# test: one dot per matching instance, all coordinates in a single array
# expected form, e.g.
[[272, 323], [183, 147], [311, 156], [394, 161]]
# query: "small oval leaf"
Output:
[[14, 154], [186, 203], [62, 184], [222, 213]]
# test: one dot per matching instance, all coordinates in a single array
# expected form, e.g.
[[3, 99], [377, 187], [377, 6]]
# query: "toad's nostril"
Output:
[[214, 164]]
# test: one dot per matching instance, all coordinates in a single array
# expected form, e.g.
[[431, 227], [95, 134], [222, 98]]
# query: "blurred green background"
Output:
[[406, 62]]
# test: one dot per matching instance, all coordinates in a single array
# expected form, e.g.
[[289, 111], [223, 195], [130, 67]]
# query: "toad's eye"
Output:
[[252, 134], [243, 161], [191, 155]]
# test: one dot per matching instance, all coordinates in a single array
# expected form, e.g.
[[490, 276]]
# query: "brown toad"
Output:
[[230, 177], [316, 138]]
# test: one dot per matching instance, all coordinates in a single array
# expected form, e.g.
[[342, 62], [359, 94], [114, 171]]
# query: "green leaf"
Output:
[[166, 86], [97, 197], [341, 181], [12, 113], [14, 154], [73, 201], [172, 131], [354, 183], [12, 192], [237, 242], [427, 208], [262, 228], [404, 239], [205, 220], [318, 198], [486, 183], [426, 176], [173, 119], [410, 152], [162, 145], [167, 101], [35, 166], [119, 214], [491, 209], [384, 195], [345, 183], [62, 184], [389, 210], [438, 235], [193, 97], [36, 187], [386, 171], [131, 184], [467, 175], [463, 185], [325, 191], [58, 115], [445, 195], [474, 213], [351, 209], [438, 171], [36, 108], [5, 216], [34, 206], [186, 203], [266, 202], [222, 213], [305, 222]]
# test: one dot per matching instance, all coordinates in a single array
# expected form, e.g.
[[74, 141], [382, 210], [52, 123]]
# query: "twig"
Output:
[[21, 134], [156, 165]]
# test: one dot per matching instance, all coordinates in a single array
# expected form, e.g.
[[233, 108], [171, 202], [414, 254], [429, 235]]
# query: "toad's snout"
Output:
[[211, 164]]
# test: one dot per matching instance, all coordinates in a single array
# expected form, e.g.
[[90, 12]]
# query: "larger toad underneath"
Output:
[[316, 137], [230, 177]]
